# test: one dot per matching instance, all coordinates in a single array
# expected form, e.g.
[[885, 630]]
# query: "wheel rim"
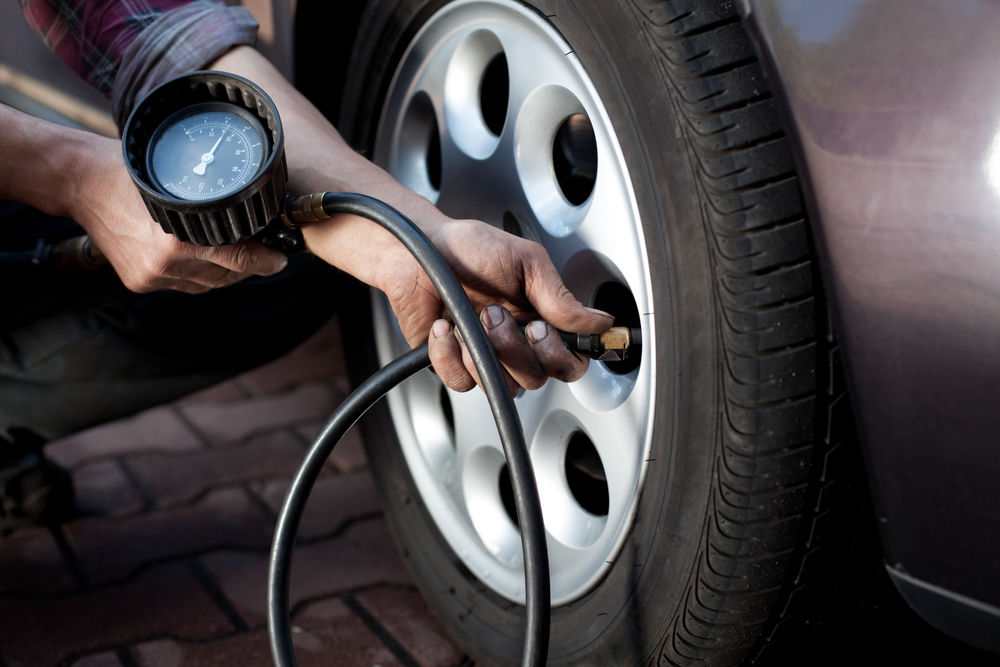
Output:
[[447, 133]]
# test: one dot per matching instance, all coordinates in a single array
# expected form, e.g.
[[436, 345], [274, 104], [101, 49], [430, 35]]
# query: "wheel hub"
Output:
[[491, 116]]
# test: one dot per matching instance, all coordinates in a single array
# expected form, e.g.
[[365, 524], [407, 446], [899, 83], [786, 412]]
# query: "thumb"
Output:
[[556, 304], [245, 257]]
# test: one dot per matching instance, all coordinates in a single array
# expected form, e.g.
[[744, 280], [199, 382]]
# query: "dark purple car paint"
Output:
[[895, 106]]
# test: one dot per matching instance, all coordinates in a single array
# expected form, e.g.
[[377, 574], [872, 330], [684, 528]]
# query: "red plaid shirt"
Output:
[[94, 38], [91, 35]]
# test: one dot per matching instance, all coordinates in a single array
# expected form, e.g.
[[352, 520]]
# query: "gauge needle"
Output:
[[207, 157]]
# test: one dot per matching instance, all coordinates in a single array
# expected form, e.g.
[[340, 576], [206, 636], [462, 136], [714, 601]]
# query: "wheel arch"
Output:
[[916, 450]]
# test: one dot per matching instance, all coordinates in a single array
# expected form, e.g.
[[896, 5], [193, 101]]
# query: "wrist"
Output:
[[357, 246], [95, 176], [363, 248], [85, 170]]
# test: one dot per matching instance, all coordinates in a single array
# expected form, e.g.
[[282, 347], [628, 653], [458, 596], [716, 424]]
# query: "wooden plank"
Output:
[[86, 115]]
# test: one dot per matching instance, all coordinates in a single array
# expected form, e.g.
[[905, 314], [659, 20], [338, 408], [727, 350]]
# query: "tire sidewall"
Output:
[[625, 618]]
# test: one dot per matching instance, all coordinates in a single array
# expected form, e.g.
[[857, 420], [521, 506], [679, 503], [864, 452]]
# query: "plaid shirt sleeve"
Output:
[[125, 48]]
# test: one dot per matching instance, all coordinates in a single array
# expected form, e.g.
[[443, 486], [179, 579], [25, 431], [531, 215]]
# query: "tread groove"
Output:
[[709, 27]]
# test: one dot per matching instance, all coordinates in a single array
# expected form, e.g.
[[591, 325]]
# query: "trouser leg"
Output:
[[78, 349]]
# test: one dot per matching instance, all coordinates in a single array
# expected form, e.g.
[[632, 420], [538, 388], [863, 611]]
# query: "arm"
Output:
[[505, 277], [80, 175], [496, 268]]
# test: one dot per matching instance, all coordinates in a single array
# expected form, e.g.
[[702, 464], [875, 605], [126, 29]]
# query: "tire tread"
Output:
[[766, 467], [767, 311]]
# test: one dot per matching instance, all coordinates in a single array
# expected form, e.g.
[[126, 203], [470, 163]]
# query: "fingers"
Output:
[[446, 356], [453, 362], [528, 358], [245, 258], [512, 348], [554, 302], [196, 269], [558, 361]]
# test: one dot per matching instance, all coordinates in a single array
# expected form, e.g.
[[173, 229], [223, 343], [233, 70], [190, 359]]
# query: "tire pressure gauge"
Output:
[[206, 151]]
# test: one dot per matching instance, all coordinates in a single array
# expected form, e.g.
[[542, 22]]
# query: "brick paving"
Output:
[[166, 564]]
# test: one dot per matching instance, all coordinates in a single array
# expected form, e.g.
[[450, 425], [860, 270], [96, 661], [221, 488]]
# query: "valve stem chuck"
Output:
[[612, 345]]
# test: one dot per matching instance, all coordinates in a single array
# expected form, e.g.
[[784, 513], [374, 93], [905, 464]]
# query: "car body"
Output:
[[894, 107]]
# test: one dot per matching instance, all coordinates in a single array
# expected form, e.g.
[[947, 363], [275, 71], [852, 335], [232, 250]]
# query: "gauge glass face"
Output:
[[207, 152]]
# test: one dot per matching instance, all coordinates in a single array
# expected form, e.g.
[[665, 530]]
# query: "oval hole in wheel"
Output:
[[617, 299], [574, 158], [493, 93], [434, 156], [416, 160], [447, 411], [507, 494], [585, 475]]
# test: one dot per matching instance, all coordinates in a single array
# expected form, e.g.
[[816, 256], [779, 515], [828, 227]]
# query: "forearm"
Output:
[[320, 160], [41, 161]]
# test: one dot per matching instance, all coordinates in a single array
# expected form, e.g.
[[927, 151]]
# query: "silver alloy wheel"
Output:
[[503, 173]]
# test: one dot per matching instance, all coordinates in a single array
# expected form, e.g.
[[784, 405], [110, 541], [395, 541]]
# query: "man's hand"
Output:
[[146, 258], [80, 175], [509, 281]]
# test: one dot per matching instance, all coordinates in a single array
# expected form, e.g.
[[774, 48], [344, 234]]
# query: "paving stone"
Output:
[[334, 500], [166, 600], [348, 455], [309, 430], [362, 556], [320, 358], [341, 383], [30, 561], [245, 650], [111, 549], [174, 480], [106, 659], [155, 430], [326, 633], [104, 488], [230, 423], [224, 392], [407, 618]]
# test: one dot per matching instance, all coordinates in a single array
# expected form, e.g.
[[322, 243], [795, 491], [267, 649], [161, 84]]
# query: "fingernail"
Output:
[[600, 312], [537, 331], [458, 335], [493, 316], [441, 328]]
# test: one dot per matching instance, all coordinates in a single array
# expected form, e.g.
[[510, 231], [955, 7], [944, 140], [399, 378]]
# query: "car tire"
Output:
[[750, 494]]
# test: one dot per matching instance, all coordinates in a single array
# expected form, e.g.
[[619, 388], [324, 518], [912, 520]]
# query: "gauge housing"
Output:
[[209, 222]]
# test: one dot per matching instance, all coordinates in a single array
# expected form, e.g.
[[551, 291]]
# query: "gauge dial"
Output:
[[207, 151]]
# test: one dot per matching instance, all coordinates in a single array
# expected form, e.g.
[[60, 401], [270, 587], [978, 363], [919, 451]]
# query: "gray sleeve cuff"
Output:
[[180, 41]]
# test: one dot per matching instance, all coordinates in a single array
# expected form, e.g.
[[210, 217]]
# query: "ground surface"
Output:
[[166, 565]]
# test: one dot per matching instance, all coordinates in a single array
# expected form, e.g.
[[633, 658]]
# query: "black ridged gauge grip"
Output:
[[206, 151]]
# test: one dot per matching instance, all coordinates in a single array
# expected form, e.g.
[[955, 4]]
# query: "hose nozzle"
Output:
[[76, 254], [612, 345]]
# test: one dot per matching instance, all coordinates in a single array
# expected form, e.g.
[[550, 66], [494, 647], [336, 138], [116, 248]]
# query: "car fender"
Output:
[[894, 109]]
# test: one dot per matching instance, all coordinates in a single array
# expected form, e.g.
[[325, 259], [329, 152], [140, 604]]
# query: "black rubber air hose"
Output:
[[529, 510]]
